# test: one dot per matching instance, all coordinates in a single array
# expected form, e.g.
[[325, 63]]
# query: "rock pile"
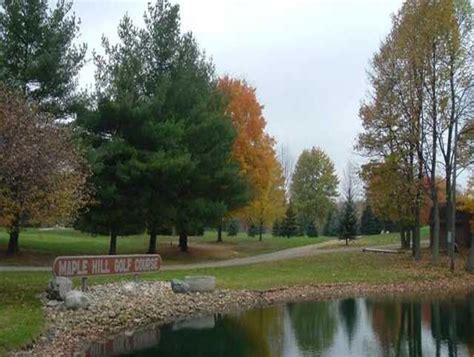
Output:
[[116, 307]]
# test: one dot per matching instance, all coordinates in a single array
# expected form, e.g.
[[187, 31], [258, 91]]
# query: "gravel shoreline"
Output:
[[125, 308]]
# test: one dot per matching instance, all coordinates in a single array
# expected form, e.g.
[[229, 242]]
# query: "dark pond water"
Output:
[[350, 327]]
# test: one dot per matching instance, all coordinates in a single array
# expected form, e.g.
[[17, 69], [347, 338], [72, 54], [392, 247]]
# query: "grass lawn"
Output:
[[21, 317], [379, 239], [40, 247]]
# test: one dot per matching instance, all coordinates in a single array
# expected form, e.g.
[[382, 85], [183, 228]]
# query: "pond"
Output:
[[349, 327]]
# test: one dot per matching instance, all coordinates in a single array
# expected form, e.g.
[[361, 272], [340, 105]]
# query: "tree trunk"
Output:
[[408, 238], [452, 214], [347, 241], [416, 228], [219, 233], [183, 241], [434, 151], [449, 207], [113, 243], [260, 232], [403, 239], [470, 259], [13, 246], [436, 323], [416, 237], [417, 329], [152, 244], [436, 227]]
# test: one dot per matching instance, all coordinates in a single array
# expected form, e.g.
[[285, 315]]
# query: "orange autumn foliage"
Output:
[[254, 151], [427, 203]]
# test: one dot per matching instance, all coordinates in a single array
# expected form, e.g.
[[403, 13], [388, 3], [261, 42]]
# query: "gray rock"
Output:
[[180, 287], [53, 303], [58, 287], [201, 283], [76, 299], [130, 288]]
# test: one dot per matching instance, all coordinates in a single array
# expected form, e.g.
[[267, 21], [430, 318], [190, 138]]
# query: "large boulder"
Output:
[[201, 283], [58, 287], [180, 287], [76, 299]]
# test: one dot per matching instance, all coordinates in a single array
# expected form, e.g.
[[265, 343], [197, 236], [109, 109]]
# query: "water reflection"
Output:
[[356, 327]]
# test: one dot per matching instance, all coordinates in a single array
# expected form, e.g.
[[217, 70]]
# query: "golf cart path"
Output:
[[291, 253]]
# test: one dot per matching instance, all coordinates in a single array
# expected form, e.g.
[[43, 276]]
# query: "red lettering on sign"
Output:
[[102, 265]]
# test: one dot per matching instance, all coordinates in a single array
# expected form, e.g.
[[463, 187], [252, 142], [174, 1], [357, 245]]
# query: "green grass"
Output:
[[40, 247], [375, 240], [21, 316]]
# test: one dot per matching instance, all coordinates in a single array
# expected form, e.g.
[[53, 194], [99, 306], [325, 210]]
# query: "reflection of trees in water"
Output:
[[385, 317], [264, 327], [314, 324], [226, 339], [397, 326], [453, 323], [348, 311]]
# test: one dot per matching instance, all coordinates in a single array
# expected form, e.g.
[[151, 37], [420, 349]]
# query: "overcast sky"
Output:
[[307, 58]]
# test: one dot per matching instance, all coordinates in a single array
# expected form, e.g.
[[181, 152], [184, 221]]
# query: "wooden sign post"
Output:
[[84, 266]]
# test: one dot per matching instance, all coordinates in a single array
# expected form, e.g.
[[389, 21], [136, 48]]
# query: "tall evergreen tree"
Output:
[[117, 175], [369, 223], [38, 51], [277, 228], [252, 230], [290, 223], [233, 227], [348, 221], [312, 230]]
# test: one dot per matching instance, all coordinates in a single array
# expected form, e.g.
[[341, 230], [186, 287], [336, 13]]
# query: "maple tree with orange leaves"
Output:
[[254, 150]]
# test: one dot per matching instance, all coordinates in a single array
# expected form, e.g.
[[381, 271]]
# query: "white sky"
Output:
[[307, 58]]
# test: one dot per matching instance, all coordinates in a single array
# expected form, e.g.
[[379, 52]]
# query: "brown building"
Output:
[[463, 229]]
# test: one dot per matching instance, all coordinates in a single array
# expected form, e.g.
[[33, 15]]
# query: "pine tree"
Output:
[[38, 51], [277, 228], [117, 175], [348, 221], [252, 230], [233, 228], [290, 223], [312, 230], [369, 224]]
